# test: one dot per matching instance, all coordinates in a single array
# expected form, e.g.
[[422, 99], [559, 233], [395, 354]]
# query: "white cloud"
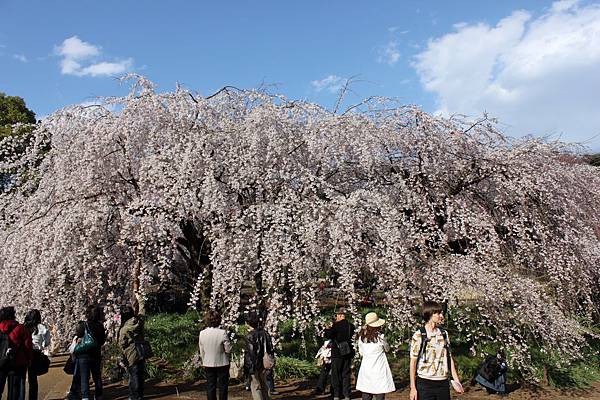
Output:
[[20, 57], [538, 75], [74, 48], [81, 58], [389, 53], [332, 83], [107, 68]]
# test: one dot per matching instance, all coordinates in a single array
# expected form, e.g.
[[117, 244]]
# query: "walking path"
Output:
[[55, 384]]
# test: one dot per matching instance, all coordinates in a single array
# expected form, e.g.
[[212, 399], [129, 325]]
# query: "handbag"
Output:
[[87, 343], [268, 359], [69, 367], [143, 349], [40, 363]]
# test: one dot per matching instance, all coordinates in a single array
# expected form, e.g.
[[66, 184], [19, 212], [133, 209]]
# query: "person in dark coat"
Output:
[[491, 374], [258, 341], [130, 333], [20, 338], [342, 353], [89, 362]]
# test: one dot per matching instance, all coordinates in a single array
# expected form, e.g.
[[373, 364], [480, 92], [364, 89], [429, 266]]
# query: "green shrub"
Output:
[[288, 367], [174, 339]]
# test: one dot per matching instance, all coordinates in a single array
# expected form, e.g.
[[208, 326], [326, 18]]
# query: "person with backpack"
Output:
[[342, 353], [215, 347], [131, 341], [90, 337], [40, 338], [15, 354], [491, 373], [374, 376], [431, 363], [258, 358]]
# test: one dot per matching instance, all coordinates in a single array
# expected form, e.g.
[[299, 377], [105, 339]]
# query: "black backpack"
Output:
[[7, 351], [424, 340], [490, 368]]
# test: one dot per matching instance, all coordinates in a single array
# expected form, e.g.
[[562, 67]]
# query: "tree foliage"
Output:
[[284, 190], [13, 111]]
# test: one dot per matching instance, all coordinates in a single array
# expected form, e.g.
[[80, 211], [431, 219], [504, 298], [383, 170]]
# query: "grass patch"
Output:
[[288, 367]]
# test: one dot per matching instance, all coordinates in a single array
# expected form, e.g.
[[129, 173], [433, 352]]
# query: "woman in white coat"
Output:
[[374, 376]]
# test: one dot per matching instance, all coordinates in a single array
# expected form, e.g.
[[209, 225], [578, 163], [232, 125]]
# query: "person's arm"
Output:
[[226, 343], [200, 347], [415, 346], [455, 374], [47, 338], [331, 332], [413, 378]]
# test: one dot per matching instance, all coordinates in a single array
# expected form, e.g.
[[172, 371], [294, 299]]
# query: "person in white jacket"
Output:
[[374, 376], [215, 348]]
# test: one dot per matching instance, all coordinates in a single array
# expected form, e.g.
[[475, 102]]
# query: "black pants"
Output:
[[369, 396], [16, 383], [33, 384], [323, 377], [217, 377], [340, 377], [433, 390], [136, 380]]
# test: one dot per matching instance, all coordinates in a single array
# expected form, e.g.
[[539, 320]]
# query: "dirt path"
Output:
[[301, 391], [54, 385]]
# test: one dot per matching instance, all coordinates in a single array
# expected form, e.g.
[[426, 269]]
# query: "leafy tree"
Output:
[[594, 159], [13, 111]]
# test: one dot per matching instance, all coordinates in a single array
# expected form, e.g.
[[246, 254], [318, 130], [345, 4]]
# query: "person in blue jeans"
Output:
[[89, 363]]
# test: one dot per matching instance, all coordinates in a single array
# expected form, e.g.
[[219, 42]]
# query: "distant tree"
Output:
[[13, 111], [594, 159]]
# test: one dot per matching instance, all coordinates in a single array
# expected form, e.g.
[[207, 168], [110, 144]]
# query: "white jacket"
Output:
[[214, 347], [374, 375], [41, 340]]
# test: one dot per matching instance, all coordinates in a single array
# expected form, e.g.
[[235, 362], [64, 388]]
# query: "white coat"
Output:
[[374, 375]]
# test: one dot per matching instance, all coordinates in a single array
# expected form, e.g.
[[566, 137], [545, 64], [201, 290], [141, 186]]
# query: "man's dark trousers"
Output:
[[340, 377], [217, 377]]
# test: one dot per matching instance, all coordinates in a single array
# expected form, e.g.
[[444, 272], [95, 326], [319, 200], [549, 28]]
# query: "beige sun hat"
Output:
[[372, 320]]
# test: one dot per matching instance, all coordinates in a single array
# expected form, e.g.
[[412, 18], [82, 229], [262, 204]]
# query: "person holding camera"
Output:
[[342, 353]]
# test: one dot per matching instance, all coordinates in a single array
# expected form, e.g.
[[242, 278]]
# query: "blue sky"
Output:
[[532, 64]]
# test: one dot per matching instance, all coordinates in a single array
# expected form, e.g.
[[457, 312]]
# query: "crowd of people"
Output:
[[432, 369], [24, 351]]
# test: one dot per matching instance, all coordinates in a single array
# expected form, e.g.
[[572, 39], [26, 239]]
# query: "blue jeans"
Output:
[[86, 366]]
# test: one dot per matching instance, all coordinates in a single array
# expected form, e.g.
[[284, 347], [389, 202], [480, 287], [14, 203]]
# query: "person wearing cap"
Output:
[[374, 376], [342, 353]]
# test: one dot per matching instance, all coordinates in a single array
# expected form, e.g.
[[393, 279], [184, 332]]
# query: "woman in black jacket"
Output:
[[258, 341], [89, 362]]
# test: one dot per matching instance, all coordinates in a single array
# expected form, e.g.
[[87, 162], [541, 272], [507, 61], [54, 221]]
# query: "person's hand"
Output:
[[413, 393], [458, 387]]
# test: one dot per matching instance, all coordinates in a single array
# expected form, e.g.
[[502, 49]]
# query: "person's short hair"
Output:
[[8, 313], [430, 308], [253, 320], [212, 318], [94, 313]]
